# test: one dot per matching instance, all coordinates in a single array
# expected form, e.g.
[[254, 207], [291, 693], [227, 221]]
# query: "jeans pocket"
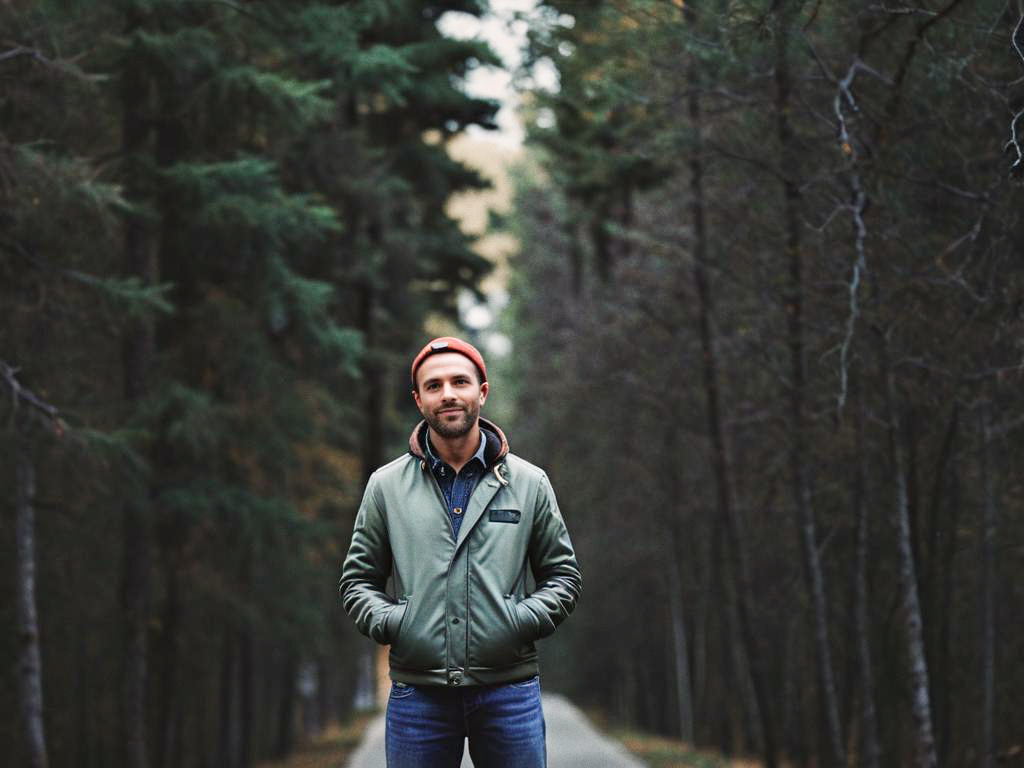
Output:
[[535, 680], [401, 690]]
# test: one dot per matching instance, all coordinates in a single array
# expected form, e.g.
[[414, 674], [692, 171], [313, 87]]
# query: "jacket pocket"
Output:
[[419, 640], [495, 640], [526, 632], [513, 617], [396, 618]]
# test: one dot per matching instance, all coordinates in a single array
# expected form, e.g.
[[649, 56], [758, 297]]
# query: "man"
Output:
[[456, 524]]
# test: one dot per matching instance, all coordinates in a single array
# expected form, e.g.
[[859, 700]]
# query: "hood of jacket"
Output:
[[496, 450]]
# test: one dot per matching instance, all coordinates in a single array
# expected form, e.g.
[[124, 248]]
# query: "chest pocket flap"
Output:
[[504, 515]]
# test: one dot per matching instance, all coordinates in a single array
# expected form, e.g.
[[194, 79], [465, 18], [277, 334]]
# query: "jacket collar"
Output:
[[496, 450]]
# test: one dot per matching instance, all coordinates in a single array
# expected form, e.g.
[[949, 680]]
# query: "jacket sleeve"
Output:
[[555, 570], [367, 566]]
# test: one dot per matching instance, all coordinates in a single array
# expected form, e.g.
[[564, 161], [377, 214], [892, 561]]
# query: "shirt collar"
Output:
[[480, 456]]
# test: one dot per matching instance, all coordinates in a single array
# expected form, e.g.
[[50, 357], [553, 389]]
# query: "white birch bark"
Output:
[[987, 596], [920, 698], [30, 667]]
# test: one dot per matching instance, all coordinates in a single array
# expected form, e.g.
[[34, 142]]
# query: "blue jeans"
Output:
[[426, 726]]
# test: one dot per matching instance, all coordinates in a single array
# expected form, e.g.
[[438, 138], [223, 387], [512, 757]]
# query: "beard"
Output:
[[444, 427]]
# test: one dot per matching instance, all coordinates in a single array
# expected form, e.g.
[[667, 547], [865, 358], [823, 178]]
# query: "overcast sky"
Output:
[[507, 35]]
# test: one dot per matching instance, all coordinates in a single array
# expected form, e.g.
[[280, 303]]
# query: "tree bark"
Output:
[[869, 745], [226, 748], [802, 492], [680, 648], [285, 740], [924, 739], [30, 666], [137, 357], [739, 567], [169, 725], [944, 704], [247, 695], [939, 534], [988, 632]]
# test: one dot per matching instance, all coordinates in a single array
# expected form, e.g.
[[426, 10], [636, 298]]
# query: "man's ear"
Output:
[[416, 397], [484, 389]]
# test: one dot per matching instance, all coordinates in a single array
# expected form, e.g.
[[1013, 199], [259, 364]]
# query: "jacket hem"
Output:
[[471, 676]]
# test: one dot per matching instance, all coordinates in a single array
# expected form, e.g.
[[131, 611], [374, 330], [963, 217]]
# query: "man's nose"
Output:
[[447, 391]]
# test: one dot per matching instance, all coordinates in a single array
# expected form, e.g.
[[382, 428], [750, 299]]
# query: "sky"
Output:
[[504, 28]]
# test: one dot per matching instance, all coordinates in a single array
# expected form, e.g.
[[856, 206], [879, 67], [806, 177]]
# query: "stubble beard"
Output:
[[451, 429]]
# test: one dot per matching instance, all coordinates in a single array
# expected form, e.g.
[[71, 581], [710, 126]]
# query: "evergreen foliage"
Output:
[[270, 167]]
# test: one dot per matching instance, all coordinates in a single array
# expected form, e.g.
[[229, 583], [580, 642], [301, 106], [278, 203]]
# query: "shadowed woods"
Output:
[[762, 288]]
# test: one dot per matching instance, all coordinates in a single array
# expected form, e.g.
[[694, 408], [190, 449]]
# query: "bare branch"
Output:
[[892, 108], [8, 375], [757, 162], [844, 95], [904, 11], [64, 66], [21, 50], [1014, 144]]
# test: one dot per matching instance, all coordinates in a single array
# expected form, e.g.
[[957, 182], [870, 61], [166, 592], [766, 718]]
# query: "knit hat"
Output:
[[449, 344]]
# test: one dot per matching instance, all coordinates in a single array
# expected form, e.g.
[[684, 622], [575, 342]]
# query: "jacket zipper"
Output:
[[451, 562]]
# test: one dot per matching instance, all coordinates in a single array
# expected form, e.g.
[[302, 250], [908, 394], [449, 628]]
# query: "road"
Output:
[[572, 742]]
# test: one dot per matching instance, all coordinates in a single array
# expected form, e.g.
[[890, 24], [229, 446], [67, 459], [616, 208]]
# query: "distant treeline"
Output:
[[768, 333], [222, 228]]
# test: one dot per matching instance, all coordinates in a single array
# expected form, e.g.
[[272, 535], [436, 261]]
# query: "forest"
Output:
[[765, 334]]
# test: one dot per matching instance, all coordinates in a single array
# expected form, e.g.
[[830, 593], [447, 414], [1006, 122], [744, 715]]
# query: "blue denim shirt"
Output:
[[458, 487]]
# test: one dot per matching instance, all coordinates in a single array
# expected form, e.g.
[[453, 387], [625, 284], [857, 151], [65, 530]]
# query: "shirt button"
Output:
[[455, 621]]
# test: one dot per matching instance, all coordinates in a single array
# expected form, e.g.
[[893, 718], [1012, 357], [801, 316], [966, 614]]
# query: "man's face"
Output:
[[449, 393]]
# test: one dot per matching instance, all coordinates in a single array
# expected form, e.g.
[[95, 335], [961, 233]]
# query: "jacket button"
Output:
[[455, 621]]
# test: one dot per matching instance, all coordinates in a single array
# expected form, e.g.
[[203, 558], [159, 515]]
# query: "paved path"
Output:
[[572, 742]]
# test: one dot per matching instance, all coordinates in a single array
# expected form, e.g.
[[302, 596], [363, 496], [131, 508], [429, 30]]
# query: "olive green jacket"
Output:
[[459, 612]]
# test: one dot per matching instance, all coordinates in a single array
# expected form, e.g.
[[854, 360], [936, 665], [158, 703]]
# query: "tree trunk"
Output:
[[988, 632], [168, 723], [575, 258], [83, 712], [794, 732], [137, 357], [939, 534], [601, 243], [247, 695], [286, 707], [30, 666], [945, 696], [680, 649], [869, 747], [246, 666], [739, 567], [227, 752], [924, 739], [802, 492]]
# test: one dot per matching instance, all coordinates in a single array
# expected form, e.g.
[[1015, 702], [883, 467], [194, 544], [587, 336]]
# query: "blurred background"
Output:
[[749, 279]]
